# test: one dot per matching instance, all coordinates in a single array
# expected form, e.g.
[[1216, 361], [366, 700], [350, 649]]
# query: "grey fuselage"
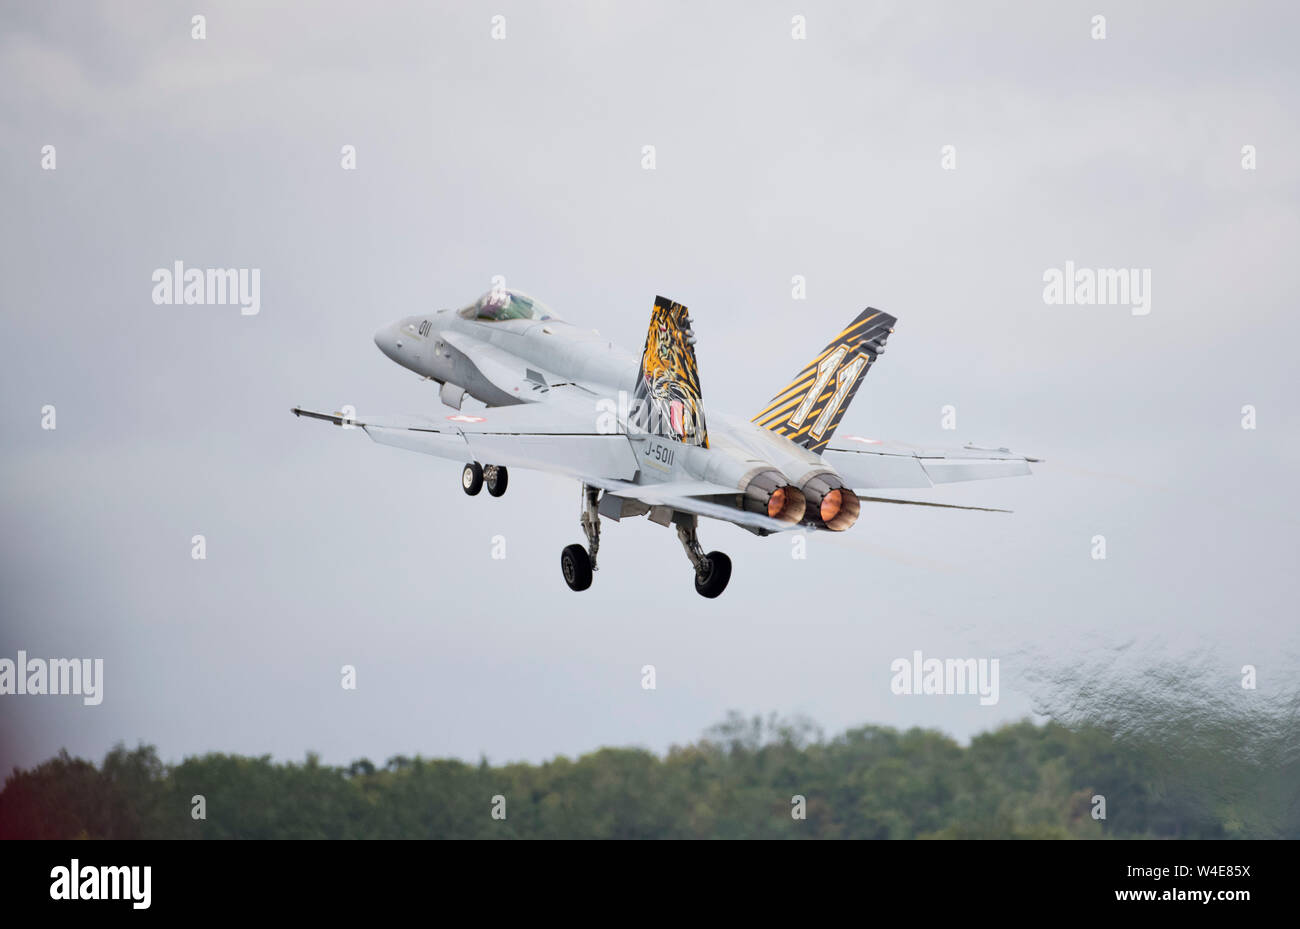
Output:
[[506, 362]]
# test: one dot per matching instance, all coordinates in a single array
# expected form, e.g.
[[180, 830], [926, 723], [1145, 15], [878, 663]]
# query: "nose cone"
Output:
[[388, 341]]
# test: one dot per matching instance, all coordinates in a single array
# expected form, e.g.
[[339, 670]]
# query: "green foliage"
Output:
[[1020, 781]]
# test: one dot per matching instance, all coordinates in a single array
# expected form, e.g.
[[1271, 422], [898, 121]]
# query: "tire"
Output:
[[713, 580], [471, 479], [496, 483], [575, 564]]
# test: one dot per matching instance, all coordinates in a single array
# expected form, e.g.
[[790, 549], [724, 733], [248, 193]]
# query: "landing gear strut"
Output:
[[712, 571], [577, 563]]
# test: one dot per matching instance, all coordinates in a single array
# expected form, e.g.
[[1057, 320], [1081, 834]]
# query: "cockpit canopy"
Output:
[[499, 304]]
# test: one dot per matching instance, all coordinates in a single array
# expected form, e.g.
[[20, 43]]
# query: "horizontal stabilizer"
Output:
[[946, 506], [870, 464]]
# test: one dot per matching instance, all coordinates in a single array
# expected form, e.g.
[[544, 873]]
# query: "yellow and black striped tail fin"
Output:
[[807, 411]]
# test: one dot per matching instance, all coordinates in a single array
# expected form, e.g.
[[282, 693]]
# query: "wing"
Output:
[[550, 438], [543, 437], [870, 464]]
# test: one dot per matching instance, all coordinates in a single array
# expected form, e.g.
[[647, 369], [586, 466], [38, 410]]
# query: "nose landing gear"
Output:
[[471, 479], [475, 475], [496, 478]]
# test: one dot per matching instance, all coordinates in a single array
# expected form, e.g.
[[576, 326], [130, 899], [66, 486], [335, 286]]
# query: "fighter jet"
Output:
[[633, 431]]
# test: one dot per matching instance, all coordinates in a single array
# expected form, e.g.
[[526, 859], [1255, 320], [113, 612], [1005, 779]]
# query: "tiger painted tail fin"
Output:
[[809, 408], [666, 400]]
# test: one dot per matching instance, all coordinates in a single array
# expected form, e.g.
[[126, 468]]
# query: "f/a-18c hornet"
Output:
[[566, 400]]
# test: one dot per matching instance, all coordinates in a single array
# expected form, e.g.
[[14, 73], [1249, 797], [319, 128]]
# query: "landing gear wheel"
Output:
[[712, 575], [576, 565], [471, 479], [496, 477]]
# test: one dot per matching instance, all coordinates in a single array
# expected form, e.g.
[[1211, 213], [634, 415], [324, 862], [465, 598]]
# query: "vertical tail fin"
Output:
[[666, 400], [808, 409]]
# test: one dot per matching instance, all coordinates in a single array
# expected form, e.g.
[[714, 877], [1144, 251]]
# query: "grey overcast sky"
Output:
[[522, 157]]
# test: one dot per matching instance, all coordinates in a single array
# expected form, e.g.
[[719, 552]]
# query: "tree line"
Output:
[[746, 778]]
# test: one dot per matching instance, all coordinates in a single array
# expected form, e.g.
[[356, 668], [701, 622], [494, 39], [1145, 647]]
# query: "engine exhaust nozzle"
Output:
[[830, 504], [769, 494]]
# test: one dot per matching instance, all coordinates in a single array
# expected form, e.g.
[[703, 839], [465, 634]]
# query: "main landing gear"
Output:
[[712, 571], [476, 475], [577, 563]]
